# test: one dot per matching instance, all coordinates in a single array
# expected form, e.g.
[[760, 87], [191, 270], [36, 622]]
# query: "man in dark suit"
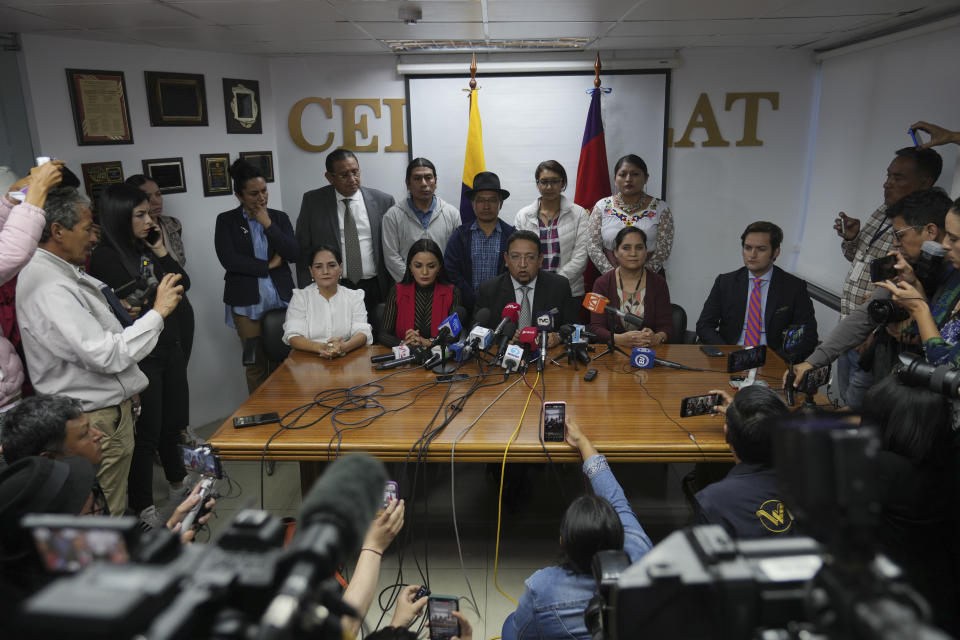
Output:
[[349, 214], [756, 303], [534, 290]]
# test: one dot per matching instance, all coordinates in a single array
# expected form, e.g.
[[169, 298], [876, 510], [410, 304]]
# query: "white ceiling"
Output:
[[296, 27]]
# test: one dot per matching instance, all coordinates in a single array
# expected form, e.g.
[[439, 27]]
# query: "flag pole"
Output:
[[473, 162], [596, 72]]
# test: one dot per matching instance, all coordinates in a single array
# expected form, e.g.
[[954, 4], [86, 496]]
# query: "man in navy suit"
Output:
[[782, 299], [543, 290], [348, 214]]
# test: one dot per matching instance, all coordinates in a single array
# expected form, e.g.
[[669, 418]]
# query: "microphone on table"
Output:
[[505, 336], [478, 338], [513, 358], [401, 351], [418, 354], [544, 327], [580, 334], [503, 333], [576, 347], [529, 340], [448, 330], [333, 520], [601, 304]]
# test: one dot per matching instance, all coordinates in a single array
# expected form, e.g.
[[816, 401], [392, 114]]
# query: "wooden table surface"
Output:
[[629, 414]]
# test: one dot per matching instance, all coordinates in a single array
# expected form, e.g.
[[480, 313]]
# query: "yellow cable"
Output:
[[503, 467]]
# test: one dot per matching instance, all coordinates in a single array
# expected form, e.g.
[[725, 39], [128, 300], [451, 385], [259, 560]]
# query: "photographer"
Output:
[[556, 597], [918, 230], [940, 345], [916, 489], [132, 250]]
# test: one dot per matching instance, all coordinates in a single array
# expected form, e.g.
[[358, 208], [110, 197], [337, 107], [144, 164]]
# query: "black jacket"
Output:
[[551, 291], [788, 303], [234, 246]]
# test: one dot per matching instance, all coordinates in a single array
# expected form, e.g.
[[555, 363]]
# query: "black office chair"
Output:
[[680, 333], [271, 331]]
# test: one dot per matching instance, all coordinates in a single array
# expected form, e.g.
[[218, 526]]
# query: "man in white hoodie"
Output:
[[421, 215]]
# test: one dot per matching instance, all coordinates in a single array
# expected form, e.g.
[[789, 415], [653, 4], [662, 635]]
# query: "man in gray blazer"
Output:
[[348, 216]]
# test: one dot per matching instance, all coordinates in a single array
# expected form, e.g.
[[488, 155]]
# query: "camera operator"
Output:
[[940, 346], [916, 489], [918, 230], [747, 501], [73, 342], [554, 602]]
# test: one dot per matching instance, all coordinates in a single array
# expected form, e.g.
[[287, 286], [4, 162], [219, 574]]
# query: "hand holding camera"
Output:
[[906, 295]]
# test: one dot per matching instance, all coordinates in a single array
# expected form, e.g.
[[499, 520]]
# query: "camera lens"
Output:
[[916, 372], [886, 311]]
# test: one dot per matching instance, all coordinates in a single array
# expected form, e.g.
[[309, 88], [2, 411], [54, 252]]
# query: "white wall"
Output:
[[869, 98], [217, 383]]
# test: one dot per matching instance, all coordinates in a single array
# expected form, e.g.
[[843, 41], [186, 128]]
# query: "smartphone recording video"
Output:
[[813, 379], [201, 460], [883, 269], [699, 405], [745, 359], [443, 625], [554, 421]]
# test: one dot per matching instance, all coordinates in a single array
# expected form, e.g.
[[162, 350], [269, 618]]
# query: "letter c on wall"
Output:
[[295, 126]]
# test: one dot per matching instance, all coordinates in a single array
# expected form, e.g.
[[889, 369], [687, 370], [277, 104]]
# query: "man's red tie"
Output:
[[754, 315]]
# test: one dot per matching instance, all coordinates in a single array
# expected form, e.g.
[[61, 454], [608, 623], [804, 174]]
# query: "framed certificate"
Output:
[[216, 176], [261, 159], [97, 176], [167, 173], [176, 99], [99, 103]]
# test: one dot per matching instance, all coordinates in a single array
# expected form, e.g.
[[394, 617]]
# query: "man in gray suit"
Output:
[[346, 215]]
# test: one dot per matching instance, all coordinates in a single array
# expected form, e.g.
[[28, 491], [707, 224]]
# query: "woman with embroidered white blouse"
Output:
[[325, 318]]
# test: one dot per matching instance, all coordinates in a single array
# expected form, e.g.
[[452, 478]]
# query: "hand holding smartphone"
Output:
[[554, 422], [699, 405], [443, 624]]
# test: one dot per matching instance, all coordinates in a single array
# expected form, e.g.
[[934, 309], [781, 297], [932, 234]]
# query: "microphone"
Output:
[[674, 365], [448, 329], [401, 351], [580, 334], [478, 338], [508, 330], [600, 304], [544, 326], [511, 313], [513, 358], [418, 354], [481, 317], [642, 358], [529, 340], [334, 517]]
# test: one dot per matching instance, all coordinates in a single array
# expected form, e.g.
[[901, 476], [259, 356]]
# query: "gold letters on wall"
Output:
[[352, 123], [703, 118], [356, 112]]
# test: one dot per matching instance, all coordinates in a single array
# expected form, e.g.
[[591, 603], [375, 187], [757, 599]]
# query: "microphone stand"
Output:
[[443, 366], [611, 345]]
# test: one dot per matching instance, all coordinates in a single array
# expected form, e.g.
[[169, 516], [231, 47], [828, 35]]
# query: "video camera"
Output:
[[698, 583], [243, 586]]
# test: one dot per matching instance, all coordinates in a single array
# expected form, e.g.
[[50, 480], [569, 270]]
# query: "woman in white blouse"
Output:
[[325, 318]]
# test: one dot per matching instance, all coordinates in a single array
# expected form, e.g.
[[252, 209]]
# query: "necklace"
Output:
[[633, 296], [630, 208]]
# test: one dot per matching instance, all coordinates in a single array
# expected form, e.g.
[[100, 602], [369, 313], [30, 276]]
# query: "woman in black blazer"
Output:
[[254, 245]]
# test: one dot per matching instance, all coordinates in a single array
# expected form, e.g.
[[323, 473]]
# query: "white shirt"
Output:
[[519, 294], [313, 317], [73, 342], [764, 292], [359, 211]]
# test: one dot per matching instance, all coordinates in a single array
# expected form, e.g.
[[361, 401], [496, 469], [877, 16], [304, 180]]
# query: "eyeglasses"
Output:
[[346, 175], [486, 201], [898, 235], [550, 182], [523, 258]]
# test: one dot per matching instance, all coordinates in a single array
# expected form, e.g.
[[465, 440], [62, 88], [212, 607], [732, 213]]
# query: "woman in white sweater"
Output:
[[561, 224], [325, 318]]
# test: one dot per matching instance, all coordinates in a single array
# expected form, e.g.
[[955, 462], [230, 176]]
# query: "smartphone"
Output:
[[745, 359], [883, 269], [452, 377], [916, 136], [201, 460], [699, 405], [793, 338], [843, 223], [711, 351], [241, 422], [153, 235], [390, 493], [814, 379], [67, 544], [554, 421], [443, 625]]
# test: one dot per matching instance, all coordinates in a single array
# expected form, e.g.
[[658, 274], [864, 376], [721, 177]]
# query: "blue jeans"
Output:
[[852, 381]]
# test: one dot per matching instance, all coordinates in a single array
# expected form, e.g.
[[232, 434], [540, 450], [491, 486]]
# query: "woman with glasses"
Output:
[[325, 318], [418, 304], [631, 206], [562, 225], [255, 245]]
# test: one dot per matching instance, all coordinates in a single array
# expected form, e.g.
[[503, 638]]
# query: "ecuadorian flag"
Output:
[[593, 176], [473, 160]]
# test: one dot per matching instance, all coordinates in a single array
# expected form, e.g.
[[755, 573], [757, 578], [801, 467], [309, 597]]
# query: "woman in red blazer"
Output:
[[635, 289]]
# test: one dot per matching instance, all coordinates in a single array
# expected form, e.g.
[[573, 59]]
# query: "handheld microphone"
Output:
[[508, 330], [511, 313], [333, 520], [417, 354], [401, 351]]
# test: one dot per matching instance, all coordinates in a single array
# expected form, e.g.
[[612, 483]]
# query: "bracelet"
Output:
[[372, 551]]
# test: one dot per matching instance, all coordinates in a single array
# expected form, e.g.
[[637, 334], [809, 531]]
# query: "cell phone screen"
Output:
[[814, 379], [745, 359], [442, 623], [390, 493], [698, 405], [201, 461], [554, 421], [883, 269], [69, 549]]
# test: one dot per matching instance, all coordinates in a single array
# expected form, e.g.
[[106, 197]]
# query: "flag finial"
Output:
[[596, 72], [473, 71]]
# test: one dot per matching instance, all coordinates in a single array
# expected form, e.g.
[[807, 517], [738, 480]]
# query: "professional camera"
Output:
[[886, 311], [914, 371], [137, 293], [698, 583], [243, 586]]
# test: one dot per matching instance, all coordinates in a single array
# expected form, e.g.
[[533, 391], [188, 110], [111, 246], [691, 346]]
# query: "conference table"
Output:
[[631, 415]]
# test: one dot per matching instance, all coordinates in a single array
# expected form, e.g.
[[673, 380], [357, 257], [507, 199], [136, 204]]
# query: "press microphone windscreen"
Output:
[[481, 317]]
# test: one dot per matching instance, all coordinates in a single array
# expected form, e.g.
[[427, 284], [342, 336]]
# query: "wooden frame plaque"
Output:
[[176, 99], [215, 168], [99, 104], [167, 173]]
